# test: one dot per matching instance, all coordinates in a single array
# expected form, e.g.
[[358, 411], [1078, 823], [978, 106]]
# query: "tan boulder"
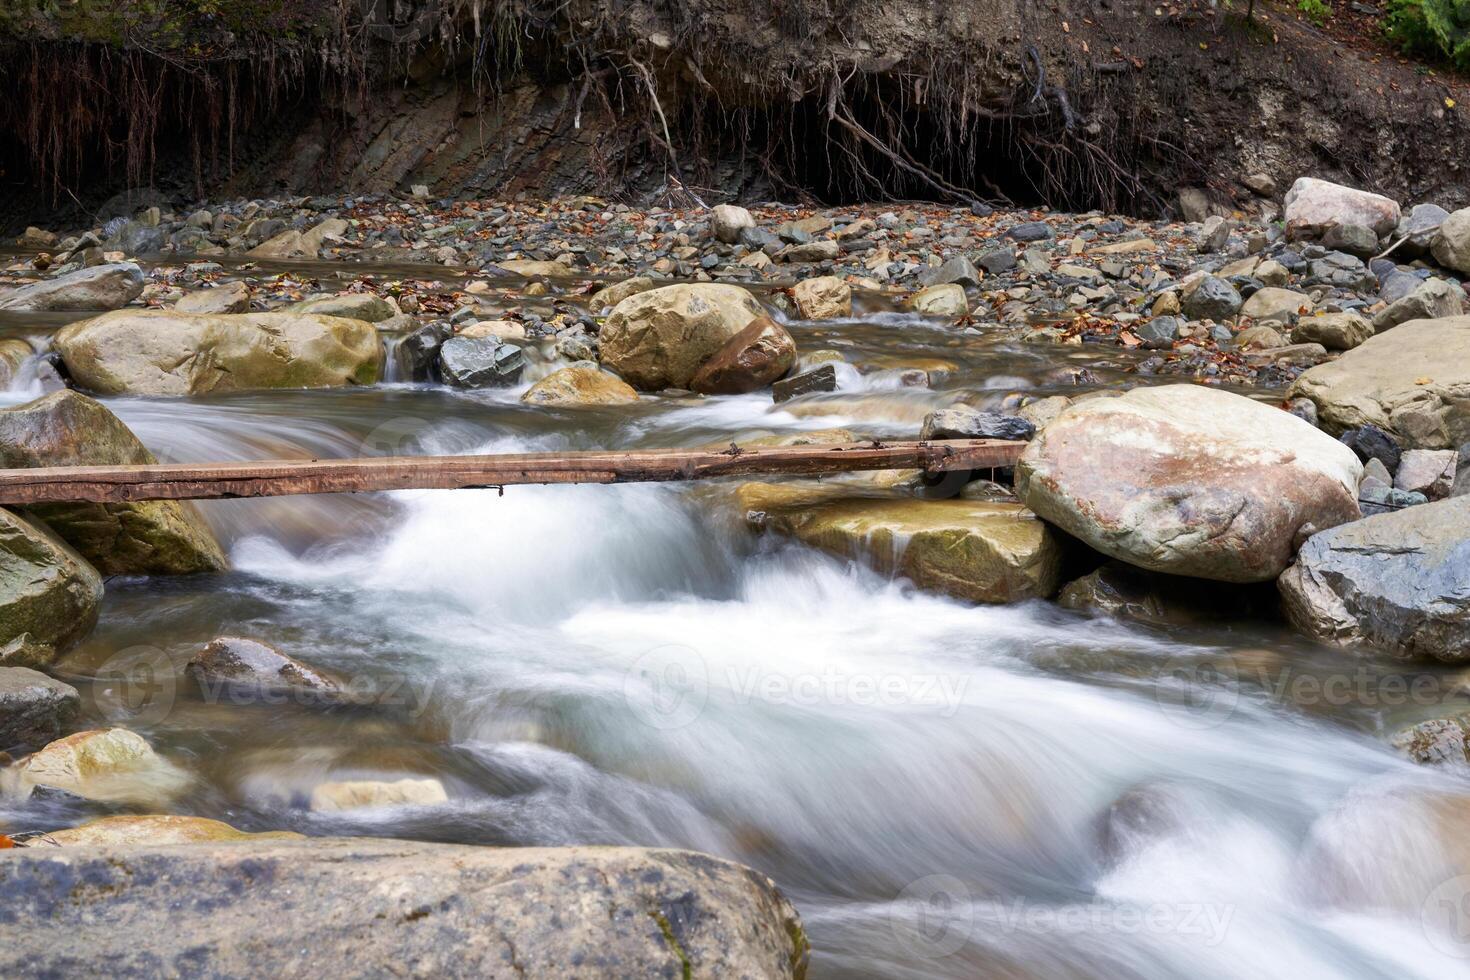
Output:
[[498, 329], [157, 830], [577, 387], [1275, 303], [660, 338], [353, 306], [286, 245], [49, 594], [822, 298], [331, 797], [330, 230], [232, 297], [610, 296], [1313, 205], [1334, 331], [536, 268], [158, 352], [755, 357], [112, 765], [945, 299]]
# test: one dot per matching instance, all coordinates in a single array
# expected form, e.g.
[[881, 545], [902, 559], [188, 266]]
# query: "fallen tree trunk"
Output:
[[273, 478]]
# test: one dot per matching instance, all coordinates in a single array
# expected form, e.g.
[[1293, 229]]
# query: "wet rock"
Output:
[[102, 287], [157, 831], [112, 765], [1272, 303], [1188, 480], [230, 298], [354, 306], [159, 352], [1041, 411], [823, 378], [155, 537], [1371, 442], [249, 670], [1122, 591], [610, 296], [417, 354], [1030, 231], [1420, 226], [1399, 582], [376, 905], [1436, 742], [334, 797], [1313, 206], [962, 422], [760, 354], [1427, 471], [727, 221], [823, 298], [1412, 381], [1334, 331], [975, 550], [658, 339], [14, 352], [1429, 299], [578, 387], [33, 707], [947, 300], [1451, 245], [480, 362], [48, 594], [1212, 299]]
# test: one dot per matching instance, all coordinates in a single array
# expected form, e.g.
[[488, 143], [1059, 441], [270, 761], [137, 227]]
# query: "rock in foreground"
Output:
[[155, 830], [164, 353], [1189, 480], [1399, 582], [660, 338], [48, 594], [367, 906]]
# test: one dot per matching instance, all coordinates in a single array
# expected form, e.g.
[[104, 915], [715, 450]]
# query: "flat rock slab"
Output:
[[102, 287], [364, 907], [1399, 582]]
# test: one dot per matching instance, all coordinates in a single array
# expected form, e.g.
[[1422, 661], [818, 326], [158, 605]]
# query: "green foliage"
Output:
[[1433, 28], [1317, 11]]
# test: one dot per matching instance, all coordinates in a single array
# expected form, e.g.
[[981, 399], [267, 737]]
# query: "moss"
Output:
[[673, 942]]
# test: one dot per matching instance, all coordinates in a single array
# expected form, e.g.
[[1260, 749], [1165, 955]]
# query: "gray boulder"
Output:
[[1427, 300], [1398, 582], [33, 707], [1451, 245], [100, 288], [1420, 226], [1212, 299], [963, 422], [480, 362], [365, 907], [1313, 206]]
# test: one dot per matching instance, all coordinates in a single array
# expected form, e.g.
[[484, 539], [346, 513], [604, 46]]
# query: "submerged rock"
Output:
[[156, 537], [246, 669], [33, 707], [755, 357], [113, 765], [1188, 480], [815, 381], [158, 831], [1436, 742], [158, 352], [102, 287], [48, 594], [1399, 582], [331, 797], [658, 339], [976, 550], [377, 905], [577, 387], [963, 422]]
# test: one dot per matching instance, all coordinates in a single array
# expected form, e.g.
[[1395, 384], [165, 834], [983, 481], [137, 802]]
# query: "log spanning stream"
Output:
[[943, 789]]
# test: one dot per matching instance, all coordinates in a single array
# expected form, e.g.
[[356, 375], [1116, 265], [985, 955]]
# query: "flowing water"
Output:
[[942, 789]]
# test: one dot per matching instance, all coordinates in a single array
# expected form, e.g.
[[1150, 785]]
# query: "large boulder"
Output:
[[156, 537], [755, 357], [1189, 480], [383, 907], [48, 594], [1412, 381], [660, 338], [354, 306], [822, 298], [610, 296], [156, 830], [102, 287], [1312, 206], [110, 765], [1398, 581], [1451, 244], [580, 387], [1334, 331], [33, 707], [727, 220], [982, 551], [481, 362], [159, 352]]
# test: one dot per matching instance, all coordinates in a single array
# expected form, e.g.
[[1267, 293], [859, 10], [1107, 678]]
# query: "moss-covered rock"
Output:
[[48, 594], [982, 551], [111, 765], [156, 537]]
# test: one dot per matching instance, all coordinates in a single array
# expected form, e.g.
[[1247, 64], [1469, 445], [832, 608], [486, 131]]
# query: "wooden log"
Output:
[[271, 478]]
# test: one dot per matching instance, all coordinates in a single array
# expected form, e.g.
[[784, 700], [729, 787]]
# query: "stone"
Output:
[[823, 298], [1274, 303], [998, 261], [1194, 204], [394, 907], [610, 296], [658, 339], [1304, 409], [1418, 227], [1215, 233], [48, 594], [1314, 205], [580, 387], [480, 362], [230, 298], [102, 287], [334, 797], [156, 830], [112, 765], [1041, 411], [1262, 185], [1260, 338], [286, 245], [1121, 591], [1398, 582], [1167, 304], [1427, 471], [243, 669], [33, 707], [1429, 300], [14, 352], [726, 221], [1334, 331], [975, 550], [155, 537], [1371, 442], [33, 238], [757, 356], [946, 299], [1412, 381], [1030, 231], [353, 306], [330, 230], [1351, 238], [417, 354], [495, 330], [820, 251], [1212, 299], [958, 270], [1436, 742], [1188, 480], [963, 422], [159, 352], [819, 379], [1451, 243], [535, 268], [1132, 246]]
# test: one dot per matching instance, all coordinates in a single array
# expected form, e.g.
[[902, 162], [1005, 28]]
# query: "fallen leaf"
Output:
[[5, 842], [1424, 381]]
